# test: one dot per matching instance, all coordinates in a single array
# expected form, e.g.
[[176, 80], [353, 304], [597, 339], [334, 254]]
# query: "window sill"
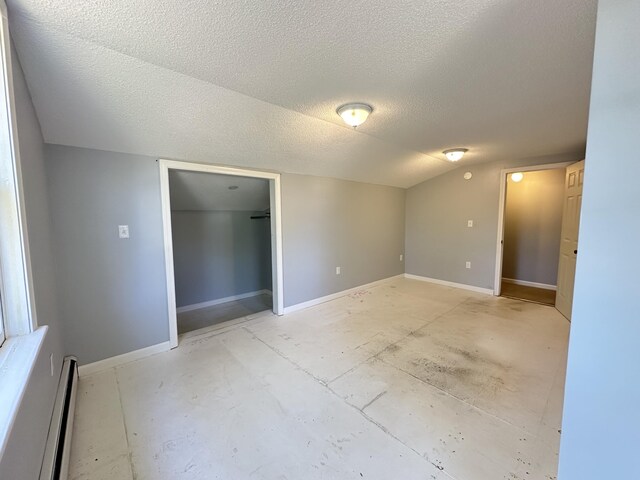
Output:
[[18, 356]]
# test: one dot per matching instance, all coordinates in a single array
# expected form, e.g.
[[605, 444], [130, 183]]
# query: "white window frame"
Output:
[[2, 336], [18, 307]]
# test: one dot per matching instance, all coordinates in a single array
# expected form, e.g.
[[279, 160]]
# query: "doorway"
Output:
[[223, 244], [532, 226], [529, 232]]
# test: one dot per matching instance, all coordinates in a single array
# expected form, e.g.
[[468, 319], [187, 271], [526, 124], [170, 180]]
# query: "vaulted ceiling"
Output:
[[256, 83]]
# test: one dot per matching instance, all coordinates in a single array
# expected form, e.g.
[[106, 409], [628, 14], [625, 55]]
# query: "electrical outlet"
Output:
[[123, 231], [468, 265], [401, 257], [469, 223], [337, 270], [52, 364]]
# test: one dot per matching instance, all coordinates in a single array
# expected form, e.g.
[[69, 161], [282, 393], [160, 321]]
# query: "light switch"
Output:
[[123, 231], [337, 270], [469, 223], [401, 257], [468, 265]]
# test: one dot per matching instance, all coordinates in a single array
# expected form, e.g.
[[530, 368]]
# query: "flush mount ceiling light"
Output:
[[455, 154], [354, 114], [516, 177]]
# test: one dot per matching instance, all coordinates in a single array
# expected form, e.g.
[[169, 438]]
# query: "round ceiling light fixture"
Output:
[[354, 114], [517, 177], [455, 154]]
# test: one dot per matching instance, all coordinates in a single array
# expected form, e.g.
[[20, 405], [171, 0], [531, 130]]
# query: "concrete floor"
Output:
[[407, 380], [223, 312]]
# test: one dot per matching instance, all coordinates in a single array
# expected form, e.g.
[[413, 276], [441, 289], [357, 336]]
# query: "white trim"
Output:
[[18, 357], [333, 296], [526, 283], [501, 207], [165, 200], [218, 301], [277, 265], [276, 231], [446, 283], [100, 365]]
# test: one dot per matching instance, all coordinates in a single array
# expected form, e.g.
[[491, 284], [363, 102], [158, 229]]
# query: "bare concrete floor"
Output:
[[407, 380]]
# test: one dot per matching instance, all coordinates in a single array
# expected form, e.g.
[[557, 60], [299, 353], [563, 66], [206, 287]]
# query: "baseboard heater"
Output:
[[55, 464]]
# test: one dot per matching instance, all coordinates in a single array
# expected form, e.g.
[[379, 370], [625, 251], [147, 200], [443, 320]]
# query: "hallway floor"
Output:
[[405, 380], [531, 294], [223, 312]]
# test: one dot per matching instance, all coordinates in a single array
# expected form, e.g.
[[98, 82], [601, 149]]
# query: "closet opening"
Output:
[[222, 245]]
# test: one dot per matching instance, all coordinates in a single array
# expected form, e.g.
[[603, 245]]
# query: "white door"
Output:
[[569, 237]]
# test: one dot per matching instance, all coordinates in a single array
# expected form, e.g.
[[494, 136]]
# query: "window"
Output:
[[17, 315], [20, 342]]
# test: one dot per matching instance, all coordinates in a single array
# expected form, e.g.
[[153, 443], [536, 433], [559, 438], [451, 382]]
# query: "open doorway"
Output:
[[532, 227], [220, 228], [222, 244], [529, 232]]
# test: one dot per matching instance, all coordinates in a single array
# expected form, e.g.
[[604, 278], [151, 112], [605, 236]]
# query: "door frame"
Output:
[[276, 231], [497, 280]]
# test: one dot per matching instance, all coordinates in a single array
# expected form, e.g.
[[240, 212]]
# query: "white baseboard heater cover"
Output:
[[55, 464]]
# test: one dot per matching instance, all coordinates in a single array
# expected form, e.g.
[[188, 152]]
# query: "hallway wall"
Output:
[[532, 226], [601, 421]]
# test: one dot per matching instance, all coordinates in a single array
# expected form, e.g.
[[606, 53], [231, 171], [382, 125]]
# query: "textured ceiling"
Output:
[[257, 83], [208, 191]]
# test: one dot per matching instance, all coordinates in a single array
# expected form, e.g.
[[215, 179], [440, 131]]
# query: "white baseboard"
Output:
[[526, 283], [90, 368], [463, 286], [211, 303], [333, 296]]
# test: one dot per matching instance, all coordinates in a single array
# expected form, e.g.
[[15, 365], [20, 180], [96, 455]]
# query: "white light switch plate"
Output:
[[337, 270], [123, 231], [468, 265], [469, 223]]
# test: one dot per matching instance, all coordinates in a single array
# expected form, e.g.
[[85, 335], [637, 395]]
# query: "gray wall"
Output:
[[219, 254], [532, 226], [328, 223], [25, 447], [112, 292], [601, 424], [438, 241]]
